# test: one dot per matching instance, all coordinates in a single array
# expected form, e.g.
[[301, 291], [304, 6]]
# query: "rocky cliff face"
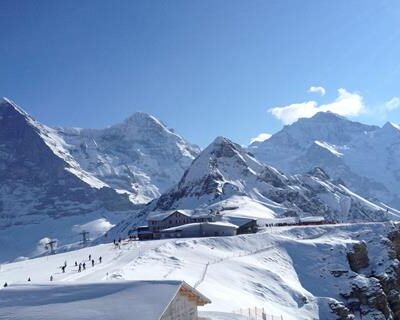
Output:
[[373, 290]]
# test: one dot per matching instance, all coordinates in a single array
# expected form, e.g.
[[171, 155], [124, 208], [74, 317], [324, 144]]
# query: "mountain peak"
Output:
[[391, 126], [142, 119], [7, 106], [328, 116], [221, 140], [223, 147]]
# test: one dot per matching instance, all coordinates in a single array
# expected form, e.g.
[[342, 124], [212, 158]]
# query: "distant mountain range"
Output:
[[365, 158]]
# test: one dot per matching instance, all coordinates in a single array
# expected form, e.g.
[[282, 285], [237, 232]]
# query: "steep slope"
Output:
[[226, 178], [365, 158], [140, 156], [39, 178]]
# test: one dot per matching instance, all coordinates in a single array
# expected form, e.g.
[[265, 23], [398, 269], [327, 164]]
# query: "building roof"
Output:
[[147, 300], [312, 219], [281, 220], [197, 224], [239, 221], [160, 216]]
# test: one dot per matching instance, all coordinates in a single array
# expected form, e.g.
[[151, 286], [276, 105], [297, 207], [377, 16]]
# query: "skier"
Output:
[[84, 266], [29, 279], [92, 262], [51, 278], [80, 267], [5, 285], [76, 264], [63, 268], [100, 258], [90, 257]]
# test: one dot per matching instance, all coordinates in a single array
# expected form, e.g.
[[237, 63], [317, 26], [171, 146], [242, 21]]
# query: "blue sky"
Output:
[[206, 68]]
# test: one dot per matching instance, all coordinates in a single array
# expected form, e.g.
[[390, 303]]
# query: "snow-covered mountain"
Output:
[[140, 156], [226, 178], [39, 177], [53, 181], [364, 157]]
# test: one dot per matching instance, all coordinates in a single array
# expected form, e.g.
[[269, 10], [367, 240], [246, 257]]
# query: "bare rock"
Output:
[[358, 256]]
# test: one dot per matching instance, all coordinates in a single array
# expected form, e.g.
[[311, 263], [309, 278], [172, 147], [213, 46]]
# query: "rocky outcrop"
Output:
[[375, 289], [358, 257], [341, 310], [394, 238], [366, 296]]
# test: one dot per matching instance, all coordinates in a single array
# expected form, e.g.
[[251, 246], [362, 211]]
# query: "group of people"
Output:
[[81, 266], [117, 244]]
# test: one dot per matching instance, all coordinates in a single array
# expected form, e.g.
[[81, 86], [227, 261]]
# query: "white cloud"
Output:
[[261, 137], [346, 104], [320, 90], [392, 104]]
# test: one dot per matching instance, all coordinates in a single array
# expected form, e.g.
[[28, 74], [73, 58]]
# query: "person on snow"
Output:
[[29, 279], [90, 257], [100, 258], [92, 262], [84, 266], [76, 264], [5, 285], [80, 267], [51, 278], [63, 268]]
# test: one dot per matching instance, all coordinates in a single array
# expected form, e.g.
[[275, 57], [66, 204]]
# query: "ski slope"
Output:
[[286, 271]]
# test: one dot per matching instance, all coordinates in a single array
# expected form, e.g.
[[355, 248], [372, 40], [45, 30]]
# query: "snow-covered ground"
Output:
[[286, 271]]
